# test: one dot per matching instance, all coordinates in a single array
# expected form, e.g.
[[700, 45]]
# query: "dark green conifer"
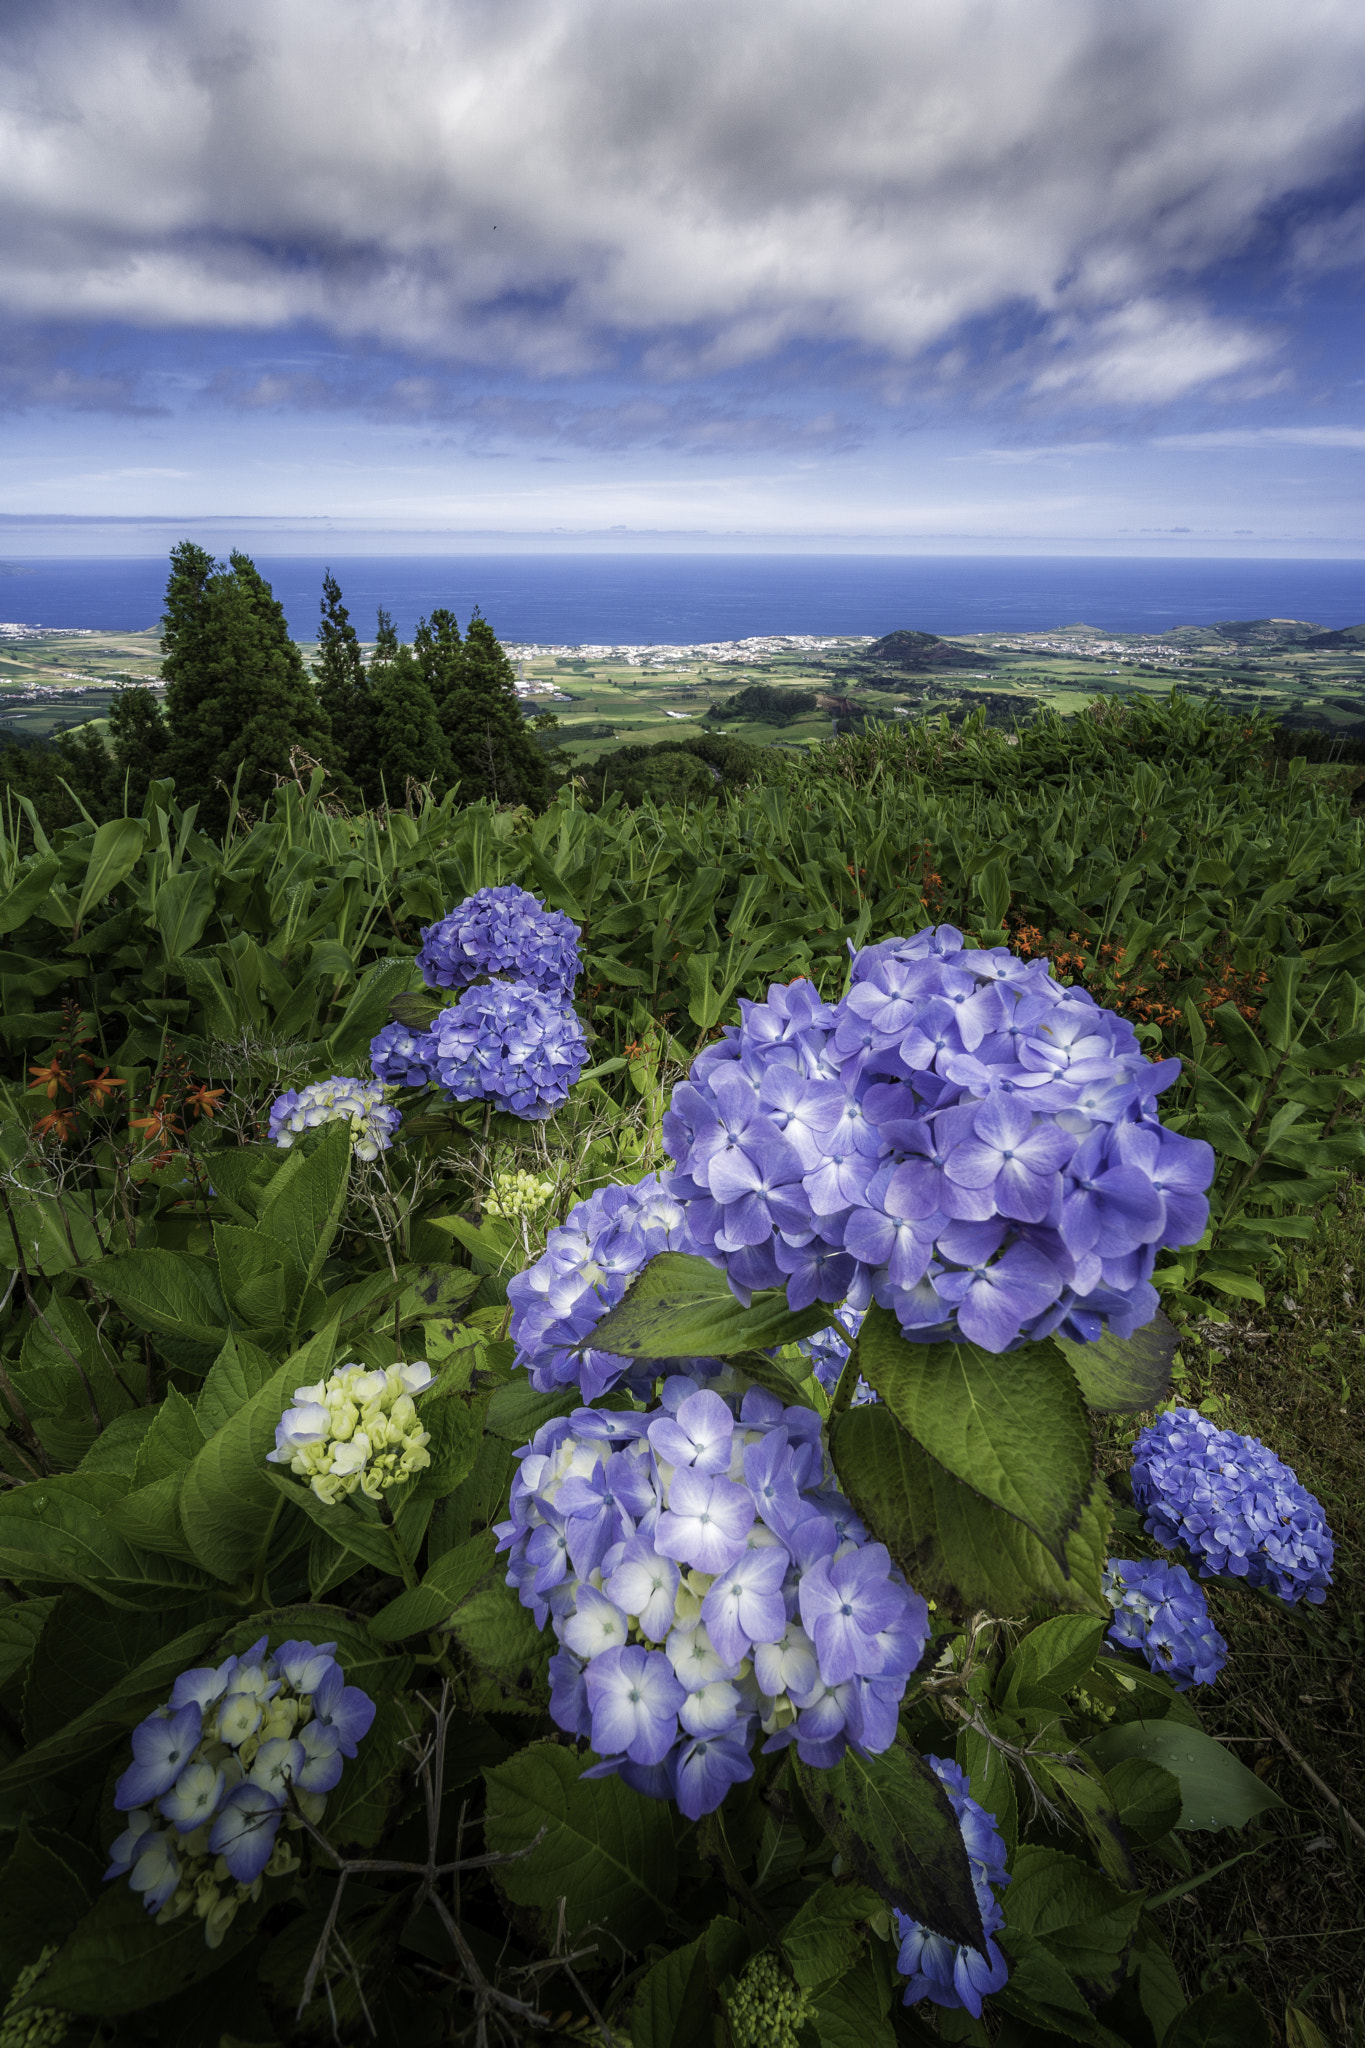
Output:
[[409, 745], [137, 739], [344, 692], [439, 649], [237, 693], [492, 753]]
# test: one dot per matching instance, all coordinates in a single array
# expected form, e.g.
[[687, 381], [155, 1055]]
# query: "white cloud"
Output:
[[703, 181], [1352, 438]]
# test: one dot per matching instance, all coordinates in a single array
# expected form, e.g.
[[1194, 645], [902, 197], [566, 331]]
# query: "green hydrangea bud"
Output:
[[43, 2026], [766, 2009]]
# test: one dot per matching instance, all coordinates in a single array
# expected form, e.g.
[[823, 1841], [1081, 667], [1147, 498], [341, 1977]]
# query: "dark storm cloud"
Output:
[[693, 184]]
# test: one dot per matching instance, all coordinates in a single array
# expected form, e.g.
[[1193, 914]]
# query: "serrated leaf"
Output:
[[21, 1624], [951, 1544], [57, 1532], [820, 1941], [894, 1828], [1083, 1920], [172, 1294], [261, 1278], [172, 1441], [501, 1637], [117, 1960], [1124, 1375], [1216, 1790], [369, 1541], [853, 2013], [430, 1605], [304, 1215], [47, 1883], [607, 1851], [516, 1411], [682, 1307], [1049, 1661], [240, 1370], [1012, 1426], [675, 2000]]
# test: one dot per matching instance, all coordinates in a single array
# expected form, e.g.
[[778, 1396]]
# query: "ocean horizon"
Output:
[[684, 599]]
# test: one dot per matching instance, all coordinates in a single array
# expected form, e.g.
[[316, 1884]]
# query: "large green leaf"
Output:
[[451, 1579], [304, 1214], [819, 1940], [26, 890], [681, 1307], [184, 905], [1220, 2019], [344, 1523], [1216, 1791], [1124, 1375], [607, 1851], [1010, 1425], [21, 1624], [114, 853], [260, 1277], [951, 1544], [240, 1370], [117, 1960], [56, 1532], [674, 2002], [171, 1294], [1049, 1661], [1083, 1920], [897, 1833], [46, 1883], [855, 2012]]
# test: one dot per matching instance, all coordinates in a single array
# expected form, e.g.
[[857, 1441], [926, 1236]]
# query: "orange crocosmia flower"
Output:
[[49, 1078], [100, 1087], [159, 1123], [58, 1123], [203, 1100]]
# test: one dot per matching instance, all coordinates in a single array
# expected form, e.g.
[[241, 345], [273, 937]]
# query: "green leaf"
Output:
[[500, 1635], [892, 1823], [855, 2012], [171, 1442], [1087, 1793], [184, 905], [359, 1809], [57, 1532], [607, 1851], [26, 890], [126, 1703], [47, 1884], [676, 1998], [1124, 1375], [1241, 1041], [681, 1307], [239, 1371], [169, 1293], [86, 1649], [516, 1411], [302, 1214], [1013, 1426], [1240, 1286], [1083, 1921], [951, 1544], [455, 1429], [1220, 2019], [1050, 1660], [343, 1523], [1216, 1791], [437, 1290], [21, 1624], [819, 1940], [1147, 1797], [117, 1960], [450, 1580], [114, 852], [260, 1277]]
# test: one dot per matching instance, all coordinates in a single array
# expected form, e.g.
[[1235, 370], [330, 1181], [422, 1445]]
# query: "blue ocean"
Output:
[[568, 599]]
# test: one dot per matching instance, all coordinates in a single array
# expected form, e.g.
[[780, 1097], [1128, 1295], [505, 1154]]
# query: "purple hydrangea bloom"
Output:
[[588, 1262], [1232, 1505], [340, 1099], [1159, 1611], [502, 932], [960, 1139], [707, 1584], [403, 1059], [943, 1971], [508, 1043]]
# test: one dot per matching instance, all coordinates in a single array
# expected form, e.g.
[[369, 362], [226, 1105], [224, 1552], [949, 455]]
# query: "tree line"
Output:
[[241, 710]]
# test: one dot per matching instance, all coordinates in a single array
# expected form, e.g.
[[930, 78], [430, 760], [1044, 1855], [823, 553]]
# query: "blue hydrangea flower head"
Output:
[[400, 1058], [235, 1757], [502, 932], [1232, 1505], [588, 1262], [505, 1042], [959, 1138], [943, 1971], [340, 1099], [708, 1586], [1160, 1612]]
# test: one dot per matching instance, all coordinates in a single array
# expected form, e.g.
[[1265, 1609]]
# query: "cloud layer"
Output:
[[680, 188]]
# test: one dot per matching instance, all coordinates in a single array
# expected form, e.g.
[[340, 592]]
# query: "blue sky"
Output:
[[940, 274]]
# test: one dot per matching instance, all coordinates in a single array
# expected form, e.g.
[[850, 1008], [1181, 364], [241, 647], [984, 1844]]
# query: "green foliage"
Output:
[[492, 755]]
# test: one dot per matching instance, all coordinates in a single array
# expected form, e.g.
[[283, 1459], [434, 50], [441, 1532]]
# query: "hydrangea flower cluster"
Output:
[[1232, 1505], [588, 1262], [362, 1103], [944, 1971], [959, 1138], [400, 1058], [214, 1771], [516, 1193], [1159, 1611], [501, 932], [508, 1043], [705, 1581], [357, 1428]]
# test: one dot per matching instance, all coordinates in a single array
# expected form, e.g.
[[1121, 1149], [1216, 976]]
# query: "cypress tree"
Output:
[[409, 745], [492, 753], [438, 648], [138, 739], [344, 692], [237, 692]]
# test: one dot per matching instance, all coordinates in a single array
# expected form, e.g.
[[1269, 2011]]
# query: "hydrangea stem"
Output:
[[406, 1568], [847, 1384]]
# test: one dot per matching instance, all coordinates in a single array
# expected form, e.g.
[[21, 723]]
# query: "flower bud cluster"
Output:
[[1232, 1505], [357, 1428], [361, 1103], [960, 1138], [767, 2008], [588, 1262], [232, 1756], [516, 1193], [707, 1582], [501, 932], [943, 1971], [38, 2026], [507, 1042], [400, 1058], [1159, 1611]]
